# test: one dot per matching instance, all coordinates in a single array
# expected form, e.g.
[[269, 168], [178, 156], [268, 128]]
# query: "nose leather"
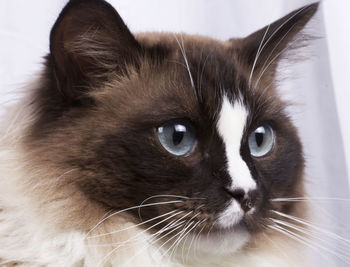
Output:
[[246, 200]]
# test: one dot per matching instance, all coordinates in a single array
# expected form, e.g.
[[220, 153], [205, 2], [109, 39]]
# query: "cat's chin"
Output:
[[221, 242]]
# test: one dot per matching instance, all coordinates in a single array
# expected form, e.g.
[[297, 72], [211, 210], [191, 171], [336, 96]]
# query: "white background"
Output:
[[319, 86]]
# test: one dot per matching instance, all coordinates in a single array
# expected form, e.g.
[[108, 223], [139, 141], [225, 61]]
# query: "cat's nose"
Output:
[[246, 200]]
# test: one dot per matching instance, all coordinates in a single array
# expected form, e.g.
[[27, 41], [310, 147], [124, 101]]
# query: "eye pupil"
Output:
[[177, 137], [259, 138]]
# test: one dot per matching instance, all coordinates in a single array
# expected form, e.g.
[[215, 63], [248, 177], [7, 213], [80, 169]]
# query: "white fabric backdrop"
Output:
[[319, 86]]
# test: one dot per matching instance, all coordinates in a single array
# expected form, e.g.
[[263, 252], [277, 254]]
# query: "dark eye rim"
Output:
[[179, 120], [273, 131]]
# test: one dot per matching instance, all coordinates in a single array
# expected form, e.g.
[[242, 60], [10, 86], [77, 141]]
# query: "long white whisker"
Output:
[[293, 236], [196, 241], [132, 226], [257, 55], [176, 234], [157, 196], [310, 243], [273, 59], [304, 222], [167, 227], [127, 209], [177, 242], [184, 233], [271, 52], [184, 243], [305, 231], [210, 230], [201, 77], [188, 224], [267, 41], [193, 238], [183, 52], [149, 228], [167, 241], [152, 242], [277, 246], [291, 199], [120, 244]]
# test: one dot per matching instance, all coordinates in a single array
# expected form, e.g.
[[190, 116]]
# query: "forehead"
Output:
[[179, 74]]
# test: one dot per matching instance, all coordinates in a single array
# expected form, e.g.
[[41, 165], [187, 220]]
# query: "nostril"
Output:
[[247, 201], [247, 204]]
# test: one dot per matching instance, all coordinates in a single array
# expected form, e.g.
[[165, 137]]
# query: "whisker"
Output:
[[184, 243], [127, 209], [293, 236], [277, 246], [177, 242], [201, 77], [167, 241], [183, 52], [181, 237], [314, 244], [273, 59], [165, 196], [175, 235], [120, 244], [193, 238], [152, 242], [173, 224], [181, 233], [132, 226], [291, 199], [304, 222], [257, 55], [196, 241], [210, 230], [188, 213], [149, 228], [305, 231], [198, 71], [271, 53], [267, 41]]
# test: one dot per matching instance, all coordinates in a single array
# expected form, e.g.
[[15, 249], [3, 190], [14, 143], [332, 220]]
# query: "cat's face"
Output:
[[177, 120]]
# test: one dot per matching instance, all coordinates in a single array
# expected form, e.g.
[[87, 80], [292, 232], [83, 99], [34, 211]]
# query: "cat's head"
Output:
[[189, 128]]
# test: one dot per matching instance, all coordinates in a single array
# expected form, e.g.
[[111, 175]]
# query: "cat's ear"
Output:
[[88, 40], [261, 51]]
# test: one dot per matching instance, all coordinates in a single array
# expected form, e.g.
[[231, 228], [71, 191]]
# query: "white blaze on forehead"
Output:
[[231, 123]]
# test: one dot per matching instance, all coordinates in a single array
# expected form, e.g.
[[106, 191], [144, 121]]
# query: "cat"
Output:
[[153, 149]]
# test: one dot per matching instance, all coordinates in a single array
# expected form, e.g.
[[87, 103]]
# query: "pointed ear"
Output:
[[88, 40], [262, 50]]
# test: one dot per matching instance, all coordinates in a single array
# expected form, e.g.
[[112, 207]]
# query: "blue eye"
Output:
[[261, 141], [177, 137]]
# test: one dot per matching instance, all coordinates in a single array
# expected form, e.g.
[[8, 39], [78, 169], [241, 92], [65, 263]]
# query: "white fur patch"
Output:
[[231, 123], [221, 243], [232, 215]]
